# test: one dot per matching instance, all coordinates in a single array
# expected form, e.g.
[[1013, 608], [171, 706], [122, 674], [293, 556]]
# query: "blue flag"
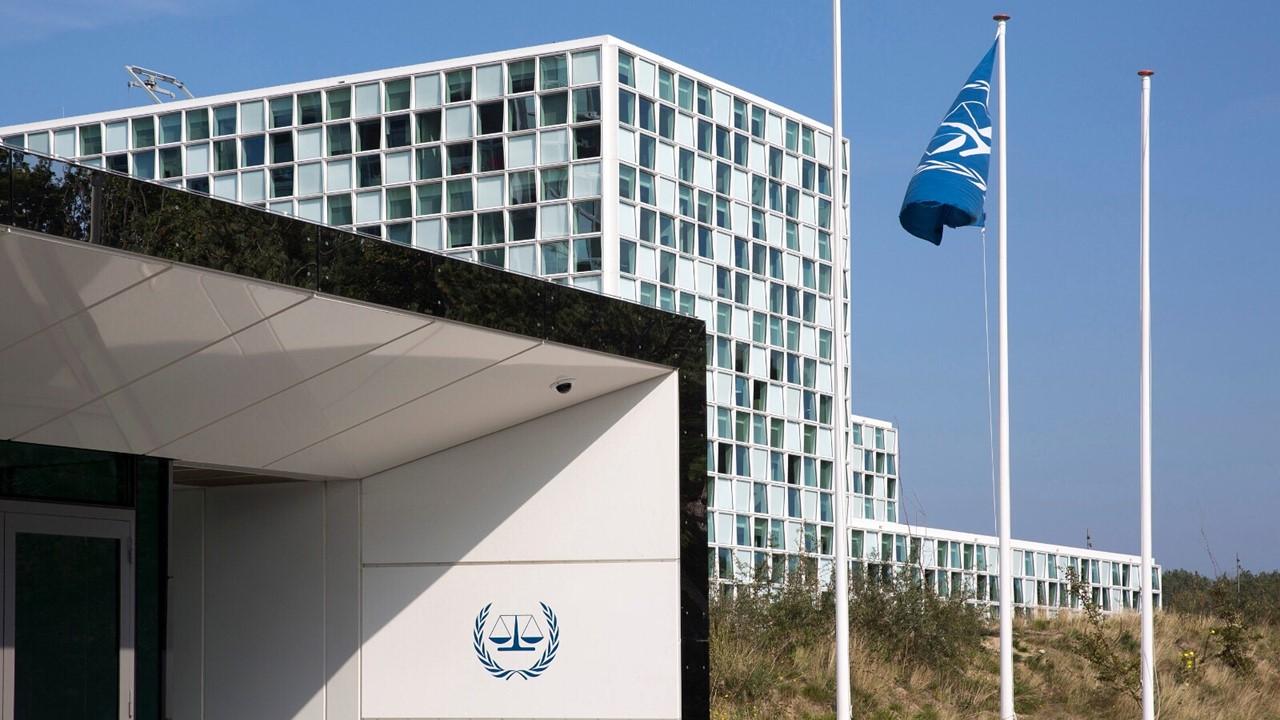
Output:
[[950, 184]]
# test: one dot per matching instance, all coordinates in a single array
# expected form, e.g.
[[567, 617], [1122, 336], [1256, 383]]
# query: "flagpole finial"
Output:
[[1000, 18], [1146, 73]]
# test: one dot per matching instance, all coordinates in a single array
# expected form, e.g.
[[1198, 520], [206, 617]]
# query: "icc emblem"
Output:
[[522, 645]]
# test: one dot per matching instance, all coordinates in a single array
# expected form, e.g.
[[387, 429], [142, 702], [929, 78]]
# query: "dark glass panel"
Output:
[[67, 627], [398, 131], [309, 108]]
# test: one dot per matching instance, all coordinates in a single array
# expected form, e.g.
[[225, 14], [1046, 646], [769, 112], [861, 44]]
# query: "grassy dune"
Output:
[[773, 657]]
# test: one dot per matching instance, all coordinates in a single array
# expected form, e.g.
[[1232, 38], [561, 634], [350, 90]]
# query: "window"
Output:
[[430, 200], [489, 154], [120, 163], [252, 116], [144, 132], [555, 72], [457, 122], [339, 103], [458, 84], [555, 183], [686, 165], [586, 217], [281, 112], [684, 93], [339, 139], [399, 203], [309, 108], [648, 147], [339, 209], [665, 89], [490, 229], [429, 163], [520, 76], [555, 258], [646, 115], [282, 181], [397, 94], [144, 164], [282, 147], [224, 155], [523, 188], [253, 150], [398, 131], [792, 136], [460, 198], [366, 100], [170, 128], [489, 118], [401, 233], [429, 126], [368, 135], [626, 107], [91, 139], [460, 231], [522, 150], [521, 224], [586, 142], [369, 171], [488, 82], [666, 121], [586, 104], [586, 254], [705, 136], [555, 109], [625, 74], [198, 124], [626, 181], [426, 90], [644, 188], [459, 158], [522, 113]]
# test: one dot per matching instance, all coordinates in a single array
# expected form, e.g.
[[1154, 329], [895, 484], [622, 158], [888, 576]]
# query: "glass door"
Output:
[[68, 615]]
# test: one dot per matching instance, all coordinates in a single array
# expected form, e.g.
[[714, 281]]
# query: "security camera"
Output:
[[563, 385]]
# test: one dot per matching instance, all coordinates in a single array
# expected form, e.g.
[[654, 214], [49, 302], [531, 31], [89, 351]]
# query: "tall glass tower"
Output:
[[599, 164]]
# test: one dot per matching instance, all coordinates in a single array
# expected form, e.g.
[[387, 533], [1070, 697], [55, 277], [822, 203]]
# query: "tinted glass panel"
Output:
[[67, 629]]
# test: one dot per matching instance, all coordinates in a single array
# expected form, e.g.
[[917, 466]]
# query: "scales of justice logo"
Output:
[[522, 645]]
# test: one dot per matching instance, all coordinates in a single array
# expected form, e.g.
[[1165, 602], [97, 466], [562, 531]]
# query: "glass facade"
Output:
[[596, 164], [881, 543], [513, 148]]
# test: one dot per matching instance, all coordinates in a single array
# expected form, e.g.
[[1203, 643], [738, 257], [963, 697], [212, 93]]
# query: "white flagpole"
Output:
[[1002, 237], [841, 579], [1148, 609]]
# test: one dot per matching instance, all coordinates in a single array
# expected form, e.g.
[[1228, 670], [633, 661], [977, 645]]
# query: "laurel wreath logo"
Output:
[[496, 670]]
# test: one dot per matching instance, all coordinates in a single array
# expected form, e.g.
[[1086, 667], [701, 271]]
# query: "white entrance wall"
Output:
[[358, 599]]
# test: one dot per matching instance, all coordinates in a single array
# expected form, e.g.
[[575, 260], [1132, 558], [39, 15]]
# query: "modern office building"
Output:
[[598, 164], [884, 541], [253, 467]]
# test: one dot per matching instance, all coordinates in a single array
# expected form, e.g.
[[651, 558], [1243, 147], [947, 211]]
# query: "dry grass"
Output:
[[1052, 680]]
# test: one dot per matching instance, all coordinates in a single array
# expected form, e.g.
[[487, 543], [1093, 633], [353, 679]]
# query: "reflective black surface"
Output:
[[60, 198], [45, 473]]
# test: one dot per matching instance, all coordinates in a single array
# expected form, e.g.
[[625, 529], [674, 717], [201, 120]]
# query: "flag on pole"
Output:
[[950, 184]]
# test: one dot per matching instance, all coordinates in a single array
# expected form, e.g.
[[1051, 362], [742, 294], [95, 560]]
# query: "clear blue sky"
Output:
[[918, 339]]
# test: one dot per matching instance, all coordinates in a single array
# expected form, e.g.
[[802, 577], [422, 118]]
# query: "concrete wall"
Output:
[[359, 599]]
